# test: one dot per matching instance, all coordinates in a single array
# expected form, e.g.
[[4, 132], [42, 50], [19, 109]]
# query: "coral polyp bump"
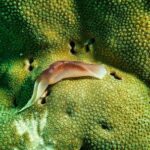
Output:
[[75, 114]]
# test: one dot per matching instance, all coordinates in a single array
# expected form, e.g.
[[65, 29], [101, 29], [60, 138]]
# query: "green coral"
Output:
[[86, 113]]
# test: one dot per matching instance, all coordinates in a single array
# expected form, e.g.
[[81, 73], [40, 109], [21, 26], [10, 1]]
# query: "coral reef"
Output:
[[84, 113]]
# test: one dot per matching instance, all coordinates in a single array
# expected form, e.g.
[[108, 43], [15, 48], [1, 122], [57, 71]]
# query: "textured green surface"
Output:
[[112, 113]]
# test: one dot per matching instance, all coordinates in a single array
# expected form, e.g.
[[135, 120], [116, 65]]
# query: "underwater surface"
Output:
[[98, 98]]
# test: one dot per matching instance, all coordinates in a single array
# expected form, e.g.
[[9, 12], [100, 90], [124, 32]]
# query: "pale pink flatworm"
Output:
[[62, 70]]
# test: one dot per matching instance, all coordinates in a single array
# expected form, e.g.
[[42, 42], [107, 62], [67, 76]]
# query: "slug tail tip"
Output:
[[39, 89], [101, 72], [25, 107]]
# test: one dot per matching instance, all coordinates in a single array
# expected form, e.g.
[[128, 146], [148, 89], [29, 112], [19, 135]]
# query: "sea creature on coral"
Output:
[[62, 70]]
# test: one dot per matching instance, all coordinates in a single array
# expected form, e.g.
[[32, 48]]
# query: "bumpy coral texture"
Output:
[[84, 113]]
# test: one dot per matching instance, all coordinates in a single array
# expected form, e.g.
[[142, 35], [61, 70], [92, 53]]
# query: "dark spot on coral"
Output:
[[31, 60], [4, 80], [87, 48], [48, 92], [43, 101], [115, 75], [31, 68], [43, 45], [85, 146], [15, 102], [72, 44], [70, 110], [147, 5], [104, 125], [92, 41], [72, 50]]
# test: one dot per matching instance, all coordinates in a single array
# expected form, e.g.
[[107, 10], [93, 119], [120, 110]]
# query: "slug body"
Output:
[[62, 70]]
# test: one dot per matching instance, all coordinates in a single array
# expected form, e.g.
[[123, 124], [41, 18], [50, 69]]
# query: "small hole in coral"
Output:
[[115, 75], [31, 60], [73, 51], [72, 44], [89, 42], [70, 112], [29, 64], [85, 146], [105, 125], [48, 92], [43, 101], [92, 40], [31, 68], [15, 102], [87, 48]]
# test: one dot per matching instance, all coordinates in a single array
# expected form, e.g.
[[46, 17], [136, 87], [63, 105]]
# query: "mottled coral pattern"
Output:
[[75, 114]]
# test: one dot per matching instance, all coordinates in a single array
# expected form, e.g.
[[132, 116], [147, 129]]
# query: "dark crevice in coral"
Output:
[[15, 102], [87, 48], [70, 111], [85, 146], [104, 125], [31, 68], [43, 100], [72, 44], [115, 75], [72, 50], [147, 5], [43, 44], [48, 91], [31, 60], [4, 80], [71, 108], [90, 42]]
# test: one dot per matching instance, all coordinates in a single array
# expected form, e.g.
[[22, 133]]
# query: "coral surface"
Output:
[[83, 113]]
